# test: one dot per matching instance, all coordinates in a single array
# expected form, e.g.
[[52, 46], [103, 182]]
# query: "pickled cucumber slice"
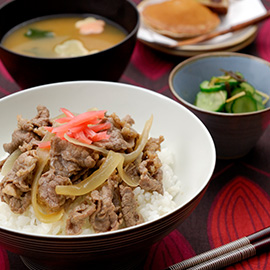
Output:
[[205, 86], [211, 101], [248, 87], [244, 104]]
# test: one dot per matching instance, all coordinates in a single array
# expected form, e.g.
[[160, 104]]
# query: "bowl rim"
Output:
[[133, 229], [212, 55], [128, 36]]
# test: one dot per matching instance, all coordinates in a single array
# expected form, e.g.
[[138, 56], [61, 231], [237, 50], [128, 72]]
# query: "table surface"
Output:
[[237, 202]]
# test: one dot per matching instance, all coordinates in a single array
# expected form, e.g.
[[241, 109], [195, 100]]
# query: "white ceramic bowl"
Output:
[[185, 135]]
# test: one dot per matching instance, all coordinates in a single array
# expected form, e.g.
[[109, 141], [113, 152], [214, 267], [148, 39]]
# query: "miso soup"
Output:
[[63, 36]]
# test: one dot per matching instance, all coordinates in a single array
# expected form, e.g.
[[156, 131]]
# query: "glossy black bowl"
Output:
[[107, 65]]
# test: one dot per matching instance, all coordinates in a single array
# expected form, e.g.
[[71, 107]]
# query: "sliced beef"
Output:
[[42, 118], [15, 187], [19, 137], [150, 173], [106, 217], [21, 175], [128, 203], [132, 169], [68, 159], [29, 132], [23, 169], [46, 191], [147, 167], [77, 178], [19, 205], [122, 136], [150, 182], [153, 145], [79, 215]]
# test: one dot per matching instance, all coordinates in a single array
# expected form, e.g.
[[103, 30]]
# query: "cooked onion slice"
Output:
[[43, 157], [133, 182], [96, 179], [10, 162], [141, 143]]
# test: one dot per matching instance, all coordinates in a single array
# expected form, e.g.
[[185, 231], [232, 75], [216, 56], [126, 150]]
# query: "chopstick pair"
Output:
[[233, 252]]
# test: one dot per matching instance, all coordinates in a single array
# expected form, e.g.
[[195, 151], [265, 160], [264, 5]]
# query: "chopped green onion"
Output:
[[36, 33]]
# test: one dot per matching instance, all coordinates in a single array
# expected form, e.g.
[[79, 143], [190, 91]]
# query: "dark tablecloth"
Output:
[[237, 202]]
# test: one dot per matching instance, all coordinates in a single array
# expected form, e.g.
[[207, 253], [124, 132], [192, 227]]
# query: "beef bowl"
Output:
[[144, 197], [35, 51]]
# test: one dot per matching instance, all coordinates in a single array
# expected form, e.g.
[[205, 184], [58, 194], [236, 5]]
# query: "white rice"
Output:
[[154, 205], [150, 205]]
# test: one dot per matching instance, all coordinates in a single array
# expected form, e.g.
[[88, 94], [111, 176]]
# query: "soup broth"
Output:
[[54, 37]]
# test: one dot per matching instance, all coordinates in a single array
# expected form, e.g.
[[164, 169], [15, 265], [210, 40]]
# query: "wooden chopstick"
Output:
[[221, 32], [228, 254]]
